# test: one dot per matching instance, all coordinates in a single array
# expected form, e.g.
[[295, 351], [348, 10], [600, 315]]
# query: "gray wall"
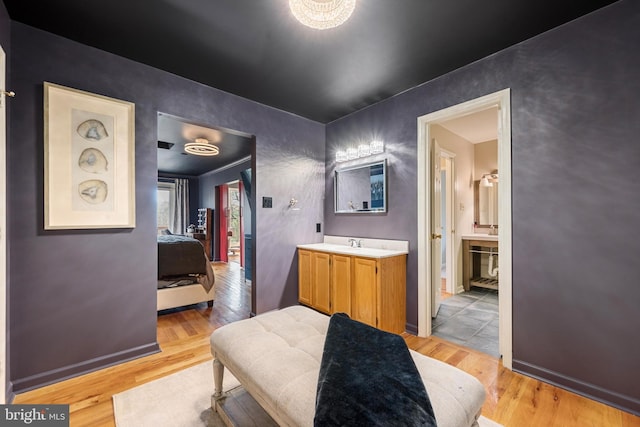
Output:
[[5, 25], [81, 300], [576, 186]]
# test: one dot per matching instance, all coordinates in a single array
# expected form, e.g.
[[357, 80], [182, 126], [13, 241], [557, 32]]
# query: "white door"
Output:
[[3, 228], [448, 226], [436, 228]]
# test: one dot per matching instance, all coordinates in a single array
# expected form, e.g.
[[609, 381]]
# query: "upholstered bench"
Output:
[[276, 357]]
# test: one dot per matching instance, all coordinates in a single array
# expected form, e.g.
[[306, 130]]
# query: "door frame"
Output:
[[4, 301], [501, 99], [241, 220], [435, 197], [223, 216]]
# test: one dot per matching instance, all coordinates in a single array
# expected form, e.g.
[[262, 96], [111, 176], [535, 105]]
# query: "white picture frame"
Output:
[[89, 160]]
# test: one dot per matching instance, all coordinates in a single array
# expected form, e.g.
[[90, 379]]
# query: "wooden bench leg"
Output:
[[218, 375]]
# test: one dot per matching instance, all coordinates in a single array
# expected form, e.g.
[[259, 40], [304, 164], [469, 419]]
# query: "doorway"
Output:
[[428, 231]]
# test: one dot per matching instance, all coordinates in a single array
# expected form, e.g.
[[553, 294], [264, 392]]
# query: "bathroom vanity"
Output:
[[366, 281], [473, 246]]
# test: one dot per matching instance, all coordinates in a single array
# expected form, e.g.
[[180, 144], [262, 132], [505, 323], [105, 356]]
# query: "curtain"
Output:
[[180, 220]]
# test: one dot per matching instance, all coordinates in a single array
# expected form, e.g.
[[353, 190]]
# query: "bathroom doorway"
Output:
[[463, 206]]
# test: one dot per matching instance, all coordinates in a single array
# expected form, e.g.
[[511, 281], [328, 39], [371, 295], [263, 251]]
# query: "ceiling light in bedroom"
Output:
[[201, 147], [322, 14]]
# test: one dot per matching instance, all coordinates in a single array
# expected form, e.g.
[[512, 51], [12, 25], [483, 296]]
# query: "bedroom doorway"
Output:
[[206, 175], [500, 101]]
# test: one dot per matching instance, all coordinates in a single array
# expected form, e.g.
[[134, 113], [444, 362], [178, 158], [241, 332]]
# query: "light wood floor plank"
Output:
[[183, 335]]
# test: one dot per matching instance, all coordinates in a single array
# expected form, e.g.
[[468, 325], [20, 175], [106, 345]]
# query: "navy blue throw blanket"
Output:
[[368, 378]]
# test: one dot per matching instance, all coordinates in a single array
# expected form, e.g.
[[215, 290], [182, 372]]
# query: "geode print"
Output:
[[93, 160], [93, 191], [93, 130]]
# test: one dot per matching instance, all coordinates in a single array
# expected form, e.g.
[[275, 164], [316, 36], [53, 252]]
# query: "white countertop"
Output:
[[371, 248], [479, 236], [348, 250]]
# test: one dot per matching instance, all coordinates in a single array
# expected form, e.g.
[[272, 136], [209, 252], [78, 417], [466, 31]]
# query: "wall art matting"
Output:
[[89, 160]]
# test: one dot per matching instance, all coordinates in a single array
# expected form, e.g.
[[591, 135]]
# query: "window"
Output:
[[166, 202]]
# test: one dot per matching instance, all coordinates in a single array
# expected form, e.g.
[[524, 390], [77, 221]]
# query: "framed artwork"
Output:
[[89, 160]]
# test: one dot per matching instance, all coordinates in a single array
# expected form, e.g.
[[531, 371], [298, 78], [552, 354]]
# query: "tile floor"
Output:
[[470, 319]]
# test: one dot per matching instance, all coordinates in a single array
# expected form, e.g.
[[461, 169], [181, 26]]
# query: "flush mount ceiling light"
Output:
[[322, 14], [201, 147]]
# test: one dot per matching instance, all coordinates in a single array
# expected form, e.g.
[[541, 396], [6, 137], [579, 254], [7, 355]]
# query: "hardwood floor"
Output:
[[183, 335]]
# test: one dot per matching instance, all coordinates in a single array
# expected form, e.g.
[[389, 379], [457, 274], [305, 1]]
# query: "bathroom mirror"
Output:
[[486, 205], [361, 188]]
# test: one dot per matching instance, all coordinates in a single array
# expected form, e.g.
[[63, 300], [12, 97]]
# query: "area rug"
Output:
[[182, 399]]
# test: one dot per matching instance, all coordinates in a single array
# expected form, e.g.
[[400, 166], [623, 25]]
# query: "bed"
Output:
[[185, 275]]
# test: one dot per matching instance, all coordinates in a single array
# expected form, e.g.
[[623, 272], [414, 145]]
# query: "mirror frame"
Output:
[[476, 206], [382, 210]]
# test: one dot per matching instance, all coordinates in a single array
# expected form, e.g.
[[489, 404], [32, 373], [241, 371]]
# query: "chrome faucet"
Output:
[[355, 243]]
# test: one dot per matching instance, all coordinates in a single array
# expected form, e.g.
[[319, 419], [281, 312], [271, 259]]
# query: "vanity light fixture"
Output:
[[488, 179], [201, 147], [363, 150], [322, 14], [377, 147]]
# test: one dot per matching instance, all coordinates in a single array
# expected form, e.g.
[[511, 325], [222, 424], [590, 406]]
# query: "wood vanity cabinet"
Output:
[[314, 280], [341, 284], [370, 290]]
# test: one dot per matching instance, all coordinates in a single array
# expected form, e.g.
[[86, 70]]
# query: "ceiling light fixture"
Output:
[[201, 147], [322, 14]]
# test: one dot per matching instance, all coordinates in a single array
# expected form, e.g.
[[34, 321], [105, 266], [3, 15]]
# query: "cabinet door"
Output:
[[364, 291], [304, 277], [320, 282], [341, 284]]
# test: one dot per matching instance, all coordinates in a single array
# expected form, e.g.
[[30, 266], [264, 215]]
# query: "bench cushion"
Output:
[[276, 356]]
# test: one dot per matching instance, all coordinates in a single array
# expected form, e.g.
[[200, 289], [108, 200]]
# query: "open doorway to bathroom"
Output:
[[466, 310], [446, 216]]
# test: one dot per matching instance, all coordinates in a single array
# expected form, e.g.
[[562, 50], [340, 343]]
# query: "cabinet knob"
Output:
[[436, 236]]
